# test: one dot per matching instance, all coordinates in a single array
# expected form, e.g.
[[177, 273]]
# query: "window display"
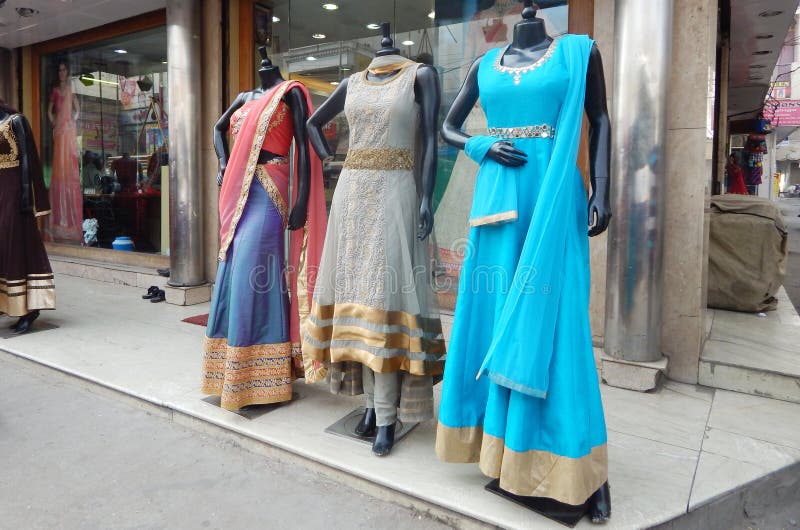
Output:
[[104, 140], [324, 49]]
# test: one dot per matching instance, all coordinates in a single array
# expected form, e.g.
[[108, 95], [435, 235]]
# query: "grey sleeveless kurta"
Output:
[[373, 303]]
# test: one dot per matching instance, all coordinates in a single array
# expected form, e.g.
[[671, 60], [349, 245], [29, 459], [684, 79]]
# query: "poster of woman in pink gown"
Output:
[[65, 185]]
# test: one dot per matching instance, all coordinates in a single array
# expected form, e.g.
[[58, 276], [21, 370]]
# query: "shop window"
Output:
[[104, 130], [321, 47]]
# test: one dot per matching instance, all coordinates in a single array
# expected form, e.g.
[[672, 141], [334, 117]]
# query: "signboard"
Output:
[[780, 89], [785, 113]]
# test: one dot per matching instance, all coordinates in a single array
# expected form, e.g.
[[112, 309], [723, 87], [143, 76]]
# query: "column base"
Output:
[[632, 375], [188, 295]]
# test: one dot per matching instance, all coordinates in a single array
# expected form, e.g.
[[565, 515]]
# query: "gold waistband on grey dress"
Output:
[[379, 158], [529, 131]]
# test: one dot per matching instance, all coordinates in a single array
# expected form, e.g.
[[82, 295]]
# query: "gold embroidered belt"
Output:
[[530, 131], [277, 161], [379, 158]]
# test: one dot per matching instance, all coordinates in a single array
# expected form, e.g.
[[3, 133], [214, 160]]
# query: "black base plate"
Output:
[[345, 426], [566, 514], [7, 333]]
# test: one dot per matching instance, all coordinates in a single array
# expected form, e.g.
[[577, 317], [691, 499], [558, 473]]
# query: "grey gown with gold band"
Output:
[[373, 303], [26, 279]]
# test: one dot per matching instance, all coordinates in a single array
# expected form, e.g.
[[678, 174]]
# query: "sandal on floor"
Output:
[[151, 292], [159, 297]]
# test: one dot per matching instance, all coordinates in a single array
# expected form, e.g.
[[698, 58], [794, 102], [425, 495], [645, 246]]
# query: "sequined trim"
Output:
[[274, 194], [247, 375], [517, 71], [379, 158], [237, 120], [530, 131], [252, 164], [10, 159], [280, 115]]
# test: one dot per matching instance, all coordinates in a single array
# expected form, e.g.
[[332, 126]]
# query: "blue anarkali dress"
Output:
[[533, 417]]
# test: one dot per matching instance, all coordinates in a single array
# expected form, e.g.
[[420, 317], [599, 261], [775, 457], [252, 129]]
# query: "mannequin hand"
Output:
[[599, 215], [297, 218], [220, 174], [504, 153], [425, 219]]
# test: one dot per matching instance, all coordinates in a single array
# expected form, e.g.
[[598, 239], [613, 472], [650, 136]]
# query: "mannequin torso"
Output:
[[529, 45], [270, 77], [427, 95]]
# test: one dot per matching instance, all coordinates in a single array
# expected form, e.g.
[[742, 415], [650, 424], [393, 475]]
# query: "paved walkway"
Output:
[[791, 209], [76, 458], [670, 451]]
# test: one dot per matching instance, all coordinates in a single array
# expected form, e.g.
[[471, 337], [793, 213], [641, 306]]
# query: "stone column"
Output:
[[632, 342], [689, 149], [187, 283]]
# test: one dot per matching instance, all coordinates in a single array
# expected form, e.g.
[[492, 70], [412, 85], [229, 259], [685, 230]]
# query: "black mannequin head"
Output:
[[530, 31], [5, 110], [267, 72], [387, 44]]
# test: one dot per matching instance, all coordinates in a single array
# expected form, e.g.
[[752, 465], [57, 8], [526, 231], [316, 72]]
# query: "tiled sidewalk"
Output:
[[670, 451]]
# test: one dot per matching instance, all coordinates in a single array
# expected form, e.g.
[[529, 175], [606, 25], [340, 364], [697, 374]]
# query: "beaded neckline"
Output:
[[517, 71]]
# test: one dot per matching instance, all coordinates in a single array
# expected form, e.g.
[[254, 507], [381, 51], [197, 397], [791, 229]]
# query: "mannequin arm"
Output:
[[501, 151], [50, 114], [599, 145], [299, 109], [220, 136], [462, 105], [76, 107], [429, 95], [325, 113], [21, 132]]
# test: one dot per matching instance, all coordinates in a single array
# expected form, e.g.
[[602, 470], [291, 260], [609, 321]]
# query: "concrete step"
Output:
[[754, 354], [101, 271]]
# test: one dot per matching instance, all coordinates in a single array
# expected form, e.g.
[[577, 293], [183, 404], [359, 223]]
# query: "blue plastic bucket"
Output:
[[122, 243]]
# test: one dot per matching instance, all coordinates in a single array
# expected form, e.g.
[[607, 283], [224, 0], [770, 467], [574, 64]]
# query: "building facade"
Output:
[[151, 78]]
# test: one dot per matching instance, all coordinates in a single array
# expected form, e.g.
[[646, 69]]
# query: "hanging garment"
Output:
[[374, 303], [735, 179], [26, 280], [253, 331], [66, 196], [533, 417], [755, 148]]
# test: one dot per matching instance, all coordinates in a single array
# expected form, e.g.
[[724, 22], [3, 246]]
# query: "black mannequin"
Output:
[[428, 96], [24, 139], [529, 43], [270, 76]]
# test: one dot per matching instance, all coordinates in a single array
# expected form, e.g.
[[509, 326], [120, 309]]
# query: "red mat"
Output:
[[200, 320]]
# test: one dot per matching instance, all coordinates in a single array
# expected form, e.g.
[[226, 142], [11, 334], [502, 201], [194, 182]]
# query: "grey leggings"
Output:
[[382, 392]]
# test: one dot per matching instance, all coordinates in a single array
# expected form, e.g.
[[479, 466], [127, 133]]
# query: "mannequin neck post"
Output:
[[529, 33]]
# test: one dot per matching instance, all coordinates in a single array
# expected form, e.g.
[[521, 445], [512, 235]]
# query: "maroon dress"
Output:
[[26, 279]]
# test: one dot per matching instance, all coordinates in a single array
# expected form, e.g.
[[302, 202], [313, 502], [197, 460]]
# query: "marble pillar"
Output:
[[689, 149]]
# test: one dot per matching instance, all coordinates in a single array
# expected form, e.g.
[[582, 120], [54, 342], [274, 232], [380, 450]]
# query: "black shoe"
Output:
[[151, 292], [24, 323], [159, 297], [600, 505], [366, 427], [163, 272], [384, 440]]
